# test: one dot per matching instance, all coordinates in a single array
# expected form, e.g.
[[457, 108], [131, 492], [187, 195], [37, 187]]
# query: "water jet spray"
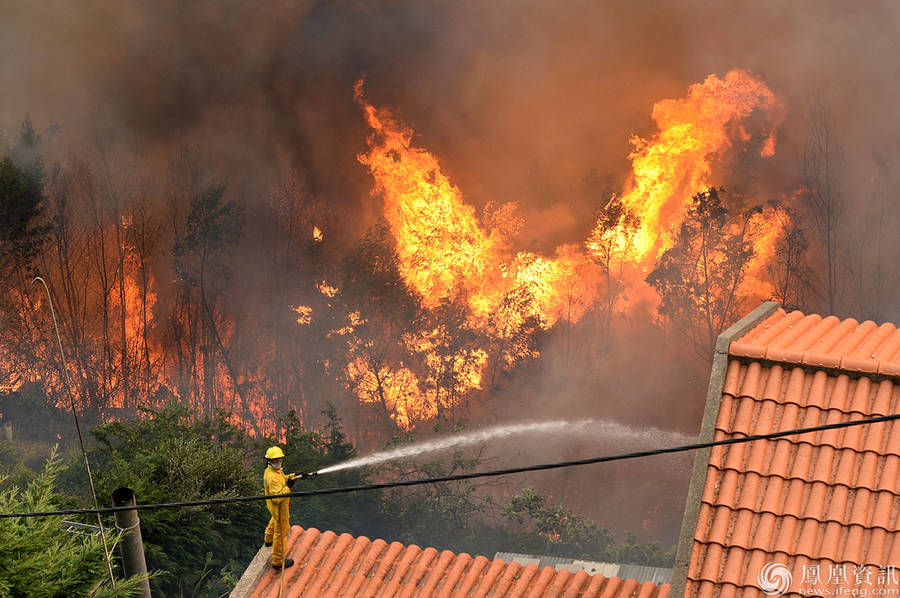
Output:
[[585, 427]]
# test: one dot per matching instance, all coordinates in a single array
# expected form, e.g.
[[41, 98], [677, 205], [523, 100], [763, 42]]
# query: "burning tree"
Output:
[[22, 235], [213, 226], [788, 270], [699, 279], [427, 312], [824, 178], [380, 312], [612, 246]]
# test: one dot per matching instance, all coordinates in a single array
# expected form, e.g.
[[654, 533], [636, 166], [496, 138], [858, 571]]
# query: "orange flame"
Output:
[[441, 246], [397, 390], [304, 314], [693, 132], [445, 251]]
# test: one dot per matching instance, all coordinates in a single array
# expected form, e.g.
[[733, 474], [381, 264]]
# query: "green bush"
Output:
[[40, 560]]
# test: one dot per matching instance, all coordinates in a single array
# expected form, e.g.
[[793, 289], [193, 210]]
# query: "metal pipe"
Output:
[[129, 525]]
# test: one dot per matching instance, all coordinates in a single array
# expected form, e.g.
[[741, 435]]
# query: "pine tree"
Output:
[[38, 559]]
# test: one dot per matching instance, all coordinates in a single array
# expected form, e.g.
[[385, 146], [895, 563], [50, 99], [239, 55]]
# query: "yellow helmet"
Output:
[[274, 452]]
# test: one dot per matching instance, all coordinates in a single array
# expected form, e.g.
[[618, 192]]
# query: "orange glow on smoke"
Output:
[[694, 132], [444, 250], [441, 246]]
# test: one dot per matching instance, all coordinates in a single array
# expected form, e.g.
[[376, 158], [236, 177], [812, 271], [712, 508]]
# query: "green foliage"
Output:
[[21, 202], [651, 554], [38, 559], [169, 458], [538, 526], [452, 514], [201, 551], [541, 527]]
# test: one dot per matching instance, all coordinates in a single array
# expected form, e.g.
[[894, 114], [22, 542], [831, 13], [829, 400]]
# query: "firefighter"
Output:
[[277, 482]]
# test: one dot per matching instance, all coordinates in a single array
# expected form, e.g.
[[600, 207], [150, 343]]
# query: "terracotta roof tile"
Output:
[[850, 343], [733, 571], [876, 548], [554, 587], [732, 378], [820, 354], [473, 575], [883, 399], [750, 496], [540, 585], [891, 348], [890, 472], [831, 438], [826, 500], [454, 576], [612, 587], [827, 343], [493, 572], [894, 556], [575, 585]]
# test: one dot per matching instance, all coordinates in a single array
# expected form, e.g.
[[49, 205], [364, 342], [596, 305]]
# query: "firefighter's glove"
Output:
[[290, 482]]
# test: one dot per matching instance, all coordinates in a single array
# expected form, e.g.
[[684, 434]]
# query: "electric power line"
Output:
[[462, 476]]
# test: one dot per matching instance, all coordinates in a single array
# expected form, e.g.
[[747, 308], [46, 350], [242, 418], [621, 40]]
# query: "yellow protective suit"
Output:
[[280, 508]]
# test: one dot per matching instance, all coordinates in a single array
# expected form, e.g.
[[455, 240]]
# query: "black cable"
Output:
[[463, 476]]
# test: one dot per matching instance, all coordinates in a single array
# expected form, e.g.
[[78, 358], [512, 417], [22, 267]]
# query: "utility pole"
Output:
[[129, 526]]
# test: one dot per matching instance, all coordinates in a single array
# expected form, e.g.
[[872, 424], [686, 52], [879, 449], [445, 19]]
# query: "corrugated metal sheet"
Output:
[[640, 573], [657, 575]]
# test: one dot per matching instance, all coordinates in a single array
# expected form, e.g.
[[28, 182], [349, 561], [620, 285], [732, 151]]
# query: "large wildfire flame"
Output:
[[445, 252], [442, 247], [694, 132]]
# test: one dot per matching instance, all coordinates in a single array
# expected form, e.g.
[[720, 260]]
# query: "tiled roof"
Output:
[[331, 565], [824, 343], [824, 504]]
